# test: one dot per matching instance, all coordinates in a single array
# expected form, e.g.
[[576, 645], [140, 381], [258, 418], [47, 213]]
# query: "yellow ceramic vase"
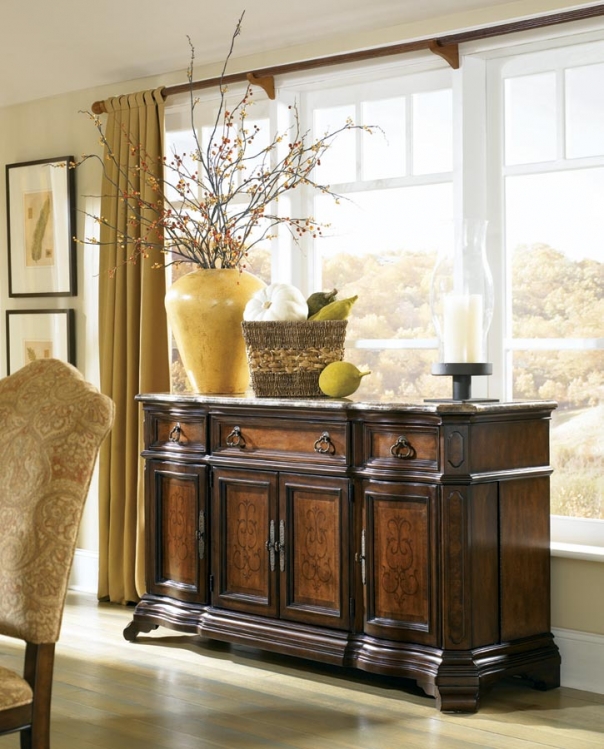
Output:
[[205, 311]]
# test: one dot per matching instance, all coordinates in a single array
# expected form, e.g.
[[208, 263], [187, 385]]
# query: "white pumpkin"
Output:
[[277, 302]]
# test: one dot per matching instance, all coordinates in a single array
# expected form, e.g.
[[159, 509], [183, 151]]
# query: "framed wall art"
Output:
[[41, 218], [39, 334]]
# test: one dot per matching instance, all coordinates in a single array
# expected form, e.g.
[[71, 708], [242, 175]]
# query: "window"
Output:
[[534, 158], [551, 167], [397, 190]]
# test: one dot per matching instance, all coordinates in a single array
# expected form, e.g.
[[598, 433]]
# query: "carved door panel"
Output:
[[176, 531], [244, 510], [399, 561], [313, 539]]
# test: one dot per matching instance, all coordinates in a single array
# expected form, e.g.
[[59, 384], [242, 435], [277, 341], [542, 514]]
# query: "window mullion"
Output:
[[561, 113], [470, 189], [409, 135]]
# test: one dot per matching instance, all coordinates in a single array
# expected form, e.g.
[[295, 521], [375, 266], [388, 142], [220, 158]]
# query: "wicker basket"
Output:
[[286, 358]]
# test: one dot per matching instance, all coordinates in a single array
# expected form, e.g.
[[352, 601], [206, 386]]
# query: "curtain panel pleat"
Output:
[[133, 340]]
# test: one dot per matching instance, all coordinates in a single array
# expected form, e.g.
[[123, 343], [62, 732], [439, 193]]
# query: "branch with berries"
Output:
[[212, 205]]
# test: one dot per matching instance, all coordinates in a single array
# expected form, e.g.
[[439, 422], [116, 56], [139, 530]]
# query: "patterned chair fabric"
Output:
[[14, 690], [52, 423]]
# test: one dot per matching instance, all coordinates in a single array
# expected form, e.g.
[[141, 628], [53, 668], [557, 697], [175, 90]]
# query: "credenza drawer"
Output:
[[168, 430], [320, 442], [403, 446]]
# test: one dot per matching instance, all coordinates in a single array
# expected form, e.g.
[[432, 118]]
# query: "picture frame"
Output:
[[40, 213], [39, 334]]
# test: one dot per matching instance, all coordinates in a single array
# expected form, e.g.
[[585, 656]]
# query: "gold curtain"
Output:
[[133, 343]]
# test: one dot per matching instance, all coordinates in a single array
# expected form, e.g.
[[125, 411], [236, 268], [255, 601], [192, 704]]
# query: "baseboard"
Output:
[[582, 660], [85, 571]]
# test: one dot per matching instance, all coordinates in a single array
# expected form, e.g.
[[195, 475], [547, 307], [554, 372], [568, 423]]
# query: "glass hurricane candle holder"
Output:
[[461, 300]]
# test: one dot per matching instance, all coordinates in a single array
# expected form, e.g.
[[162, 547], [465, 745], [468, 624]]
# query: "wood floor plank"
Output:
[[168, 691]]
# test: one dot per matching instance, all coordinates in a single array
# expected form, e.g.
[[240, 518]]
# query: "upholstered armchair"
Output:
[[52, 423]]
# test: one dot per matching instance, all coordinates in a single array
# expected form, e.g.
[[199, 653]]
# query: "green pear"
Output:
[[340, 379]]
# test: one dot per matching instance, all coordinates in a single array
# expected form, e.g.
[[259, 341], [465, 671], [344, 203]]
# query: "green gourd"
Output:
[[320, 299], [338, 310]]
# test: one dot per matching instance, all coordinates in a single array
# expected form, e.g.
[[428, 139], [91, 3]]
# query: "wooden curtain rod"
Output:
[[446, 47]]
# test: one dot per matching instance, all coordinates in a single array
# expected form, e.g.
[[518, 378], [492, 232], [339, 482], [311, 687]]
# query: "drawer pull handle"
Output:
[[324, 445], [235, 438], [175, 432], [402, 449]]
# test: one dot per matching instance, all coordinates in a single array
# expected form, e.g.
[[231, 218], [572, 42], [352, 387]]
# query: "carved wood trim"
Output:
[[455, 568], [455, 449]]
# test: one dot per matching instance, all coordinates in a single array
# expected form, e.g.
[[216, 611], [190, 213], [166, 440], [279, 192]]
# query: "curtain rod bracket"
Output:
[[266, 82], [449, 52]]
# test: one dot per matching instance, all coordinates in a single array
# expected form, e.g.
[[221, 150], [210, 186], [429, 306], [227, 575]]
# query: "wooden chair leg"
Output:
[[39, 666], [26, 738]]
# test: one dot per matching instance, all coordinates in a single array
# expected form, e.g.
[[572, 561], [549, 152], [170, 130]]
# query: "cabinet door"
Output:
[[399, 561], [244, 509], [176, 523], [313, 550]]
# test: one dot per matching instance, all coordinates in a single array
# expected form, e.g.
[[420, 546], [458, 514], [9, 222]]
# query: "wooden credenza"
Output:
[[406, 540]]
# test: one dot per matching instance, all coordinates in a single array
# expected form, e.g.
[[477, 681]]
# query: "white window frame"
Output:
[[580, 538]]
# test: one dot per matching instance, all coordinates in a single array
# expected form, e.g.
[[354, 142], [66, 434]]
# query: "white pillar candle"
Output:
[[462, 333], [474, 352]]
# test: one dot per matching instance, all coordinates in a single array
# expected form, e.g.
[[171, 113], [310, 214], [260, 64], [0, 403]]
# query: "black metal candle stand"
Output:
[[462, 381]]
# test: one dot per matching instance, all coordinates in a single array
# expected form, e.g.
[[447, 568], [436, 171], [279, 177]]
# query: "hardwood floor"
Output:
[[169, 691]]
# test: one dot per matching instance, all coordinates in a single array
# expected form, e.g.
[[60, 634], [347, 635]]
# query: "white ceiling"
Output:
[[52, 47]]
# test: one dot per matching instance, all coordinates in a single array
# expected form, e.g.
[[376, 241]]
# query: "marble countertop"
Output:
[[346, 404]]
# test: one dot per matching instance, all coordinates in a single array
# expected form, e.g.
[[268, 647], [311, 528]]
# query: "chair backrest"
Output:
[[52, 423]]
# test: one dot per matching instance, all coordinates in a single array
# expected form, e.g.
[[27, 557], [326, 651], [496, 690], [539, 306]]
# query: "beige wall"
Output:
[[578, 595], [54, 127], [45, 129]]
